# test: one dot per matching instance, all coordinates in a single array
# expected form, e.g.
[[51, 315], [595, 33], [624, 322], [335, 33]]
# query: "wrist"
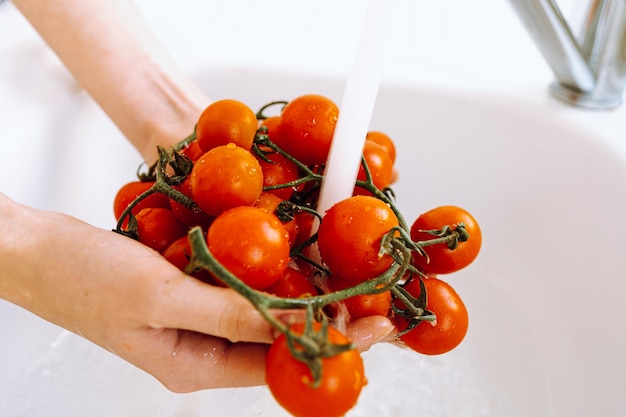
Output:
[[13, 240], [171, 115]]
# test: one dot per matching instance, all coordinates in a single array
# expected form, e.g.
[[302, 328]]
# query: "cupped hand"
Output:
[[129, 300]]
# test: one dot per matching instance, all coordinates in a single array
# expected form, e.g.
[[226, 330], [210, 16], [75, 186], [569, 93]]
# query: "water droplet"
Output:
[[231, 145]]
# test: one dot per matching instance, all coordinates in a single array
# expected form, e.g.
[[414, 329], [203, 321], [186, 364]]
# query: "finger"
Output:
[[367, 331], [185, 361], [194, 305]]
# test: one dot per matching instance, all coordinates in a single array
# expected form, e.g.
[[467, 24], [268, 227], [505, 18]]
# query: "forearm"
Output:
[[112, 53]]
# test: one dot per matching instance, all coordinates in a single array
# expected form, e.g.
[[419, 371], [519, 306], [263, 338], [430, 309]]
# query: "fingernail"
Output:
[[368, 331]]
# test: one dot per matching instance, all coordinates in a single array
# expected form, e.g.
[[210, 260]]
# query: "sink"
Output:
[[545, 296]]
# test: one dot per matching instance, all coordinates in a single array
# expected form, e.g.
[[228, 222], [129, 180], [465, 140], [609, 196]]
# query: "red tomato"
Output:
[[452, 319], [158, 228], [385, 141], [291, 382], [304, 227], [189, 217], [441, 259], [226, 121], [130, 191], [225, 177], [280, 171], [363, 305], [178, 253], [307, 127], [269, 202], [192, 151], [349, 237], [292, 284], [271, 123], [379, 164], [251, 243]]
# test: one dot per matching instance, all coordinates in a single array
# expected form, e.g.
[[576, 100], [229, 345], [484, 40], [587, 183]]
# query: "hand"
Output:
[[126, 298]]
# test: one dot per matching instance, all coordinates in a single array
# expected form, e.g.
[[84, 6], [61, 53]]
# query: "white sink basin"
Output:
[[545, 296]]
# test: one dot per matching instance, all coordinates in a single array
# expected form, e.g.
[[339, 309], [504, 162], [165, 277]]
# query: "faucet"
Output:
[[590, 72]]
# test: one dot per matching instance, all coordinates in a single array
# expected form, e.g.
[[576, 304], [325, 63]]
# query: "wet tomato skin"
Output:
[[307, 127], [225, 177], [158, 228], [130, 191], [226, 121], [349, 237], [251, 243], [441, 259], [290, 380], [452, 319]]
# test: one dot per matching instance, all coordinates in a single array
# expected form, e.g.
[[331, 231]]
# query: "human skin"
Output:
[[108, 288]]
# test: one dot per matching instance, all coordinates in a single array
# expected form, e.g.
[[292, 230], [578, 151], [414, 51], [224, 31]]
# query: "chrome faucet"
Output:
[[591, 71]]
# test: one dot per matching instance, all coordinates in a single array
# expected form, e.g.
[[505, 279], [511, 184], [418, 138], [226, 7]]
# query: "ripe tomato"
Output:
[[290, 380], [442, 259], [304, 227], [158, 228], [292, 284], [379, 164], [189, 217], [226, 121], [307, 127], [269, 202], [178, 253], [251, 243], [280, 171], [363, 305], [225, 177], [271, 123], [452, 319], [130, 191], [385, 141], [349, 237], [192, 151]]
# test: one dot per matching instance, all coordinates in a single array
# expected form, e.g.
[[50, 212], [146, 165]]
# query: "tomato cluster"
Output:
[[249, 183]]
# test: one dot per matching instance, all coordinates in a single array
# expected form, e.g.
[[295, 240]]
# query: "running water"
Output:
[[355, 110]]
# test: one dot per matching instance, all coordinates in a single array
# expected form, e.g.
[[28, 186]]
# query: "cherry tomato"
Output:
[[441, 259], [130, 191], [307, 127], [192, 151], [304, 227], [385, 141], [451, 324], [269, 202], [291, 382], [292, 284], [226, 121], [251, 243], [271, 123], [362, 305], [225, 177], [158, 228], [178, 253], [189, 217], [379, 164], [349, 237], [280, 171]]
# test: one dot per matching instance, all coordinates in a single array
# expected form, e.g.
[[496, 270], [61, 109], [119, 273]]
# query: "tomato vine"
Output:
[[409, 248]]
